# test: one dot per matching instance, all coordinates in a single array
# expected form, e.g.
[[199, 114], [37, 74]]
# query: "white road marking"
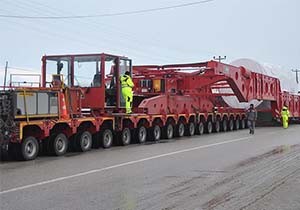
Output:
[[120, 165]]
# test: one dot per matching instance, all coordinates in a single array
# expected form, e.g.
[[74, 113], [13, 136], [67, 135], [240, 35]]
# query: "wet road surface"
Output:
[[231, 170]]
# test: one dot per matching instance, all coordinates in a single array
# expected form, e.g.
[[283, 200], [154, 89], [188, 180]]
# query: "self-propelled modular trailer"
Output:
[[79, 104]]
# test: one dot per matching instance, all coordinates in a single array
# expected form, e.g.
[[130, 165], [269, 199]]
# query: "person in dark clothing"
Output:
[[251, 116]]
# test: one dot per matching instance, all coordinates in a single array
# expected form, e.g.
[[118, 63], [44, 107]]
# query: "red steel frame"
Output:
[[188, 95], [196, 96], [245, 84]]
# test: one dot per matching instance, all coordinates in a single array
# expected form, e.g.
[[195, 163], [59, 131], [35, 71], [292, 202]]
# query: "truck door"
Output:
[[125, 65]]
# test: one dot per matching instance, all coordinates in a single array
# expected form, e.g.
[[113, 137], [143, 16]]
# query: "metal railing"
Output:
[[25, 83]]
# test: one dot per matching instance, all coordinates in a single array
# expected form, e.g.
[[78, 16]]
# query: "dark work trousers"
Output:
[[251, 125]]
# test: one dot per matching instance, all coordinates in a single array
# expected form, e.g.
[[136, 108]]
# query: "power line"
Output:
[[21, 69], [132, 46], [46, 9], [107, 14]]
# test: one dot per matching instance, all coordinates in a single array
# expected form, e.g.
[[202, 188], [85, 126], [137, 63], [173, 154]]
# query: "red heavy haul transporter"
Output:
[[172, 100]]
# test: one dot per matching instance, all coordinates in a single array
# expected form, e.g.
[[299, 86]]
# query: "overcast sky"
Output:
[[264, 30]]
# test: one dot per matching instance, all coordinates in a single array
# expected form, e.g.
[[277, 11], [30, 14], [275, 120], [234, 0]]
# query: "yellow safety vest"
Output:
[[126, 81], [285, 111]]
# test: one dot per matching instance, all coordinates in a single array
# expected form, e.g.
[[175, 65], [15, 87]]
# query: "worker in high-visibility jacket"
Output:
[[285, 114], [127, 85]]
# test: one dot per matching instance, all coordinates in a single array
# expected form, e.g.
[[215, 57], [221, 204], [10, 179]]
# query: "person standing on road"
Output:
[[127, 85], [285, 114], [251, 116]]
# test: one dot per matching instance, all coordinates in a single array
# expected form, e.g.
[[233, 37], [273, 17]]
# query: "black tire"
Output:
[[4, 154], [237, 124], [14, 151], [154, 133], [58, 144], [46, 148], [209, 127], [190, 130], [106, 138], [224, 125], [217, 126], [29, 149], [200, 128], [180, 129], [168, 131], [96, 141], [243, 124], [84, 141], [231, 125], [141, 134], [125, 137], [246, 123]]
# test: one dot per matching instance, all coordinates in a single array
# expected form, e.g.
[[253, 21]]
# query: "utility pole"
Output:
[[296, 71], [5, 74], [220, 58]]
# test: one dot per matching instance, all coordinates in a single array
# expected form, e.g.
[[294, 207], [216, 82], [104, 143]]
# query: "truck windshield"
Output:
[[87, 71], [59, 65]]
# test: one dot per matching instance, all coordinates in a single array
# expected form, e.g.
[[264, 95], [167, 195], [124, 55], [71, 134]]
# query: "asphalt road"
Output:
[[231, 170]]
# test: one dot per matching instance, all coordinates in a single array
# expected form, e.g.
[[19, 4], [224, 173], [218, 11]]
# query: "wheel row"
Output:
[[58, 144], [155, 133]]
